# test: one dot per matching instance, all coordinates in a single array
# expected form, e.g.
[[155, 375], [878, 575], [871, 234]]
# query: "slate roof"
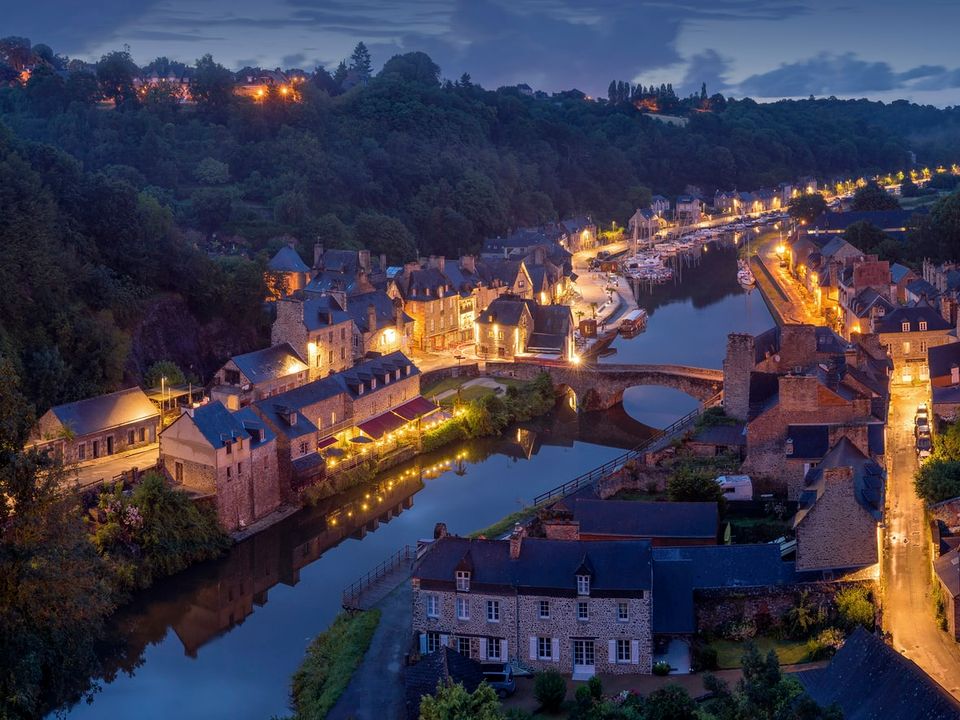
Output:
[[946, 395], [767, 343], [892, 321], [320, 311], [871, 681], [92, 415], [834, 246], [287, 260], [829, 342], [217, 424], [868, 480], [947, 567], [254, 424], [921, 288], [810, 442], [865, 300], [731, 435], [543, 564], [506, 310], [270, 363], [898, 272], [384, 311], [941, 358], [442, 665], [887, 220], [647, 519]]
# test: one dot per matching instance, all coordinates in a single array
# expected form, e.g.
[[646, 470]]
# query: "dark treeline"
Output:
[[106, 206]]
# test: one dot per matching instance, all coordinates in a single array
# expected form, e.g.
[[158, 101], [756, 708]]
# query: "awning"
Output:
[[326, 442], [415, 408], [382, 424]]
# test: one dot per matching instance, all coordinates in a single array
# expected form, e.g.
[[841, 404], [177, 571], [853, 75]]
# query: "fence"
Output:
[[598, 473], [353, 592]]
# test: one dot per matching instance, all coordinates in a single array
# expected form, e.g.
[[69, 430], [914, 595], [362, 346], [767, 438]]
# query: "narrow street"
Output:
[[109, 467], [908, 612]]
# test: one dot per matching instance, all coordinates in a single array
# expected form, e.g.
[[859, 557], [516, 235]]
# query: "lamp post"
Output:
[[163, 400]]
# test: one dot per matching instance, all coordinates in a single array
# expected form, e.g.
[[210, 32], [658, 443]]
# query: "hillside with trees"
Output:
[[136, 226]]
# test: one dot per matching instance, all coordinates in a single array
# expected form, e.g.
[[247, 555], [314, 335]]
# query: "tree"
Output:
[[453, 702], [212, 86], [670, 702], [855, 608], [689, 485], [15, 51], [550, 689], [807, 207], [908, 188], [413, 67], [116, 72], [381, 234], [465, 81], [164, 372], [212, 207], [211, 171], [938, 479], [360, 61], [865, 236], [873, 197], [340, 74]]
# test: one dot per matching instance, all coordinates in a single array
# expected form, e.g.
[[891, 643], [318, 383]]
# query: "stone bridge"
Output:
[[601, 386]]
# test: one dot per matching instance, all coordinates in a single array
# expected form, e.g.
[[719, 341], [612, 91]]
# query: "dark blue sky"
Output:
[[763, 48]]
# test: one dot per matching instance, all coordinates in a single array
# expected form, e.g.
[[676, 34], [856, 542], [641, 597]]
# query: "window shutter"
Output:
[[555, 642], [635, 652], [444, 640], [533, 648], [423, 643], [612, 651], [483, 648], [503, 651]]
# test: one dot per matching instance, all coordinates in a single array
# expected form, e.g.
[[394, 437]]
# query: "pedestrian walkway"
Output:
[[376, 690]]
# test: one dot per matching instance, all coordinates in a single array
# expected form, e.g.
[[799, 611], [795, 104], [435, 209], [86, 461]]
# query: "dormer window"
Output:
[[360, 389], [583, 584], [923, 325], [373, 384], [463, 580], [905, 326]]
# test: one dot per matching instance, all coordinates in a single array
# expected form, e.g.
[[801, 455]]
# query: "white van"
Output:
[[736, 487]]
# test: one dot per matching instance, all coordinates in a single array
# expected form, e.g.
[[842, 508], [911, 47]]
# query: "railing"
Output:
[[598, 473], [353, 591]]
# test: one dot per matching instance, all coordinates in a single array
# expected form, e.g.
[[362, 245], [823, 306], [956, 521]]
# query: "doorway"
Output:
[[584, 659]]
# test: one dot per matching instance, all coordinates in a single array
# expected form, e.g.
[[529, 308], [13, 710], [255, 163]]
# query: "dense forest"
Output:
[[136, 227]]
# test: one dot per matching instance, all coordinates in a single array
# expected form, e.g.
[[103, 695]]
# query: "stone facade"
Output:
[[908, 350], [737, 366], [326, 349], [837, 532]]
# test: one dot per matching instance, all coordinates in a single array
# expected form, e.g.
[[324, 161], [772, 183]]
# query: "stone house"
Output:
[[97, 427], [862, 285], [840, 507], [860, 313], [900, 277], [727, 201], [644, 225], [432, 298], [689, 209], [576, 607], [660, 205], [246, 378], [908, 333], [578, 234], [380, 325], [512, 326], [231, 455], [346, 272], [944, 365], [663, 524], [319, 330], [286, 272]]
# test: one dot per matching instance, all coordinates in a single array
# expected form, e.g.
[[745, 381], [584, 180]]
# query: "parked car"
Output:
[[499, 676], [924, 444], [922, 426]]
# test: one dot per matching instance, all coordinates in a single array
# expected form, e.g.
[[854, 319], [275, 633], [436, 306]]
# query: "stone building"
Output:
[[512, 326], [230, 455], [345, 272], [243, 379], [944, 364], [286, 272], [576, 607], [97, 427], [841, 505], [663, 524], [319, 330], [907, 333]]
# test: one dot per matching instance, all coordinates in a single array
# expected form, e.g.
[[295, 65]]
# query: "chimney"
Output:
[[539, 255], [516, 540], [398, 317], [363, 257], [562, 529], [954, 375], [383, 262], [371, 318], [439, 530], [468, 263], [317, 254]]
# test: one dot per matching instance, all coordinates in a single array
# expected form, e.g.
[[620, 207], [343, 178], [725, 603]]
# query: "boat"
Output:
[[746, 278], [667, 248], [633, 323]]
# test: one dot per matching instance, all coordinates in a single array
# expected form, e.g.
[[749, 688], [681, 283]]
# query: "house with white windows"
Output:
[[574, 606]]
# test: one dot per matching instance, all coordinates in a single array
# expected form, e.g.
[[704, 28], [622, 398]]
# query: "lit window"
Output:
[[923, 325], [544, 648], [463, 581], [463, 608], [583, 610], [905, 326], [493, 611], [544, 609], [623, 612], [433, 606], [583, 584]]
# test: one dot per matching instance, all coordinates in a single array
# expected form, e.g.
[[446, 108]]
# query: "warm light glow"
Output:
[[781, 249], [390, 334], [575, 359]]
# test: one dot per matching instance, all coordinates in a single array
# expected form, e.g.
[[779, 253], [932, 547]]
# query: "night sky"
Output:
[[882, 49]]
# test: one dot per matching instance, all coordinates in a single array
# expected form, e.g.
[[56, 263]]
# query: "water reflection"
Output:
[[238, 623]]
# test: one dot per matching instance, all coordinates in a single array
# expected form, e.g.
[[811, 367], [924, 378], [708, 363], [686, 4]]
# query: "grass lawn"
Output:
[[789, 652], [445, 384]]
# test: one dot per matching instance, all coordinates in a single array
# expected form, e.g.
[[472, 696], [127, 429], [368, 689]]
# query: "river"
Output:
[[222, 639]]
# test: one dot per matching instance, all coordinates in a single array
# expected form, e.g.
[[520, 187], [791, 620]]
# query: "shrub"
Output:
[[738, 630], [855, 607], [661, 667], [596, 687], [801, 619], [550, 690], [704, 657], [825, 644]]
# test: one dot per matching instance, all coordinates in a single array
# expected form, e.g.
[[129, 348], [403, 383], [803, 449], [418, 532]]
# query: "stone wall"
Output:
[[737, 366], [433, 377], [49, 433]]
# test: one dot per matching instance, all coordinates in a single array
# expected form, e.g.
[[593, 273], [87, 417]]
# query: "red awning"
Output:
[[415, 408], [326, 442], [381, 425]]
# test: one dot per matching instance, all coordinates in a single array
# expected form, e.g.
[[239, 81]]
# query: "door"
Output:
[[178, 473], [583, 659], [110, 445], [96, 448]]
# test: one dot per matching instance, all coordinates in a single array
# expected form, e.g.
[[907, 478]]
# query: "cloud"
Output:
[[921, 71], [294, 60], [705, 67]]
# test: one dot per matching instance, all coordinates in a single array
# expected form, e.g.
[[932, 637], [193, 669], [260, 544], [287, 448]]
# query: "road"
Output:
[[908, 612], [800, 308], [108, 467]]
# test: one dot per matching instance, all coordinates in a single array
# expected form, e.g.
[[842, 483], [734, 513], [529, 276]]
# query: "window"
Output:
[[583, 584], [493, 611], [583, 610], [143, 434], [500, 335], [463, 608], [623, 651], [131, 437], [463, 646], [343, 353], [433, 641], [544, 609], [229, 446], [623, 612], [303, 447], [81, 451], [343, 333], [463, 580], [330, 337], [493, 649], [923, 347], [239, 469], [228, 472], [906, 348], [330, 357], [544, 648], [905, 326], [433, 606], [923, 325]]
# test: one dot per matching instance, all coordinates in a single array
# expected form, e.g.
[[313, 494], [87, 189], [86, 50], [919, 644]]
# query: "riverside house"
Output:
[[252, 376], [908, 333]]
